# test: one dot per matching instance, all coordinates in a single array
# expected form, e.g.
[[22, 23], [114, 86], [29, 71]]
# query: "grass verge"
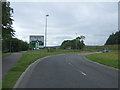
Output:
[[26, 59], [101, 48], [108, 58], [5, 54]]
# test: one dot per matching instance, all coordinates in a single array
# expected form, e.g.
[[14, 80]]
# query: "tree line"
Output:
[[9, 42], [114, 38], [76, 43]]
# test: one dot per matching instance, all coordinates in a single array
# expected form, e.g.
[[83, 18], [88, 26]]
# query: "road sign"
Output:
[[36, 41]]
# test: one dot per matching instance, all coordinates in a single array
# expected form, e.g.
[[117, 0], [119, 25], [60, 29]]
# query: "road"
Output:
[[9, 61], [68, 71]]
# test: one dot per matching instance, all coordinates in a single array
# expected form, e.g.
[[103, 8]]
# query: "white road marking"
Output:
[[82, 72], [78, 70]]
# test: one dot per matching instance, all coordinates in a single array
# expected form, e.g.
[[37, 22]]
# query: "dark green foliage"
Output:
[[77, 43], [18, 45], [8, 42], [113, 39], [14, 45], [7, 30], [65, 44]]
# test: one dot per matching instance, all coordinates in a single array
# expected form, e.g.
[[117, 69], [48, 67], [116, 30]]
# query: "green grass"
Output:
[[0, 85], [26, 59], [5, 54], [100, 48], [108, 58]]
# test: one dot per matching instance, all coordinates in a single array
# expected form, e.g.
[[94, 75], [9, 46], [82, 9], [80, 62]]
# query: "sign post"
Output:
[[36, 42]]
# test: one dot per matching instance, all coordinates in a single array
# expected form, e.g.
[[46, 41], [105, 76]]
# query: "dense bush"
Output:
[[77, 43], [14, 45], [114, 38]]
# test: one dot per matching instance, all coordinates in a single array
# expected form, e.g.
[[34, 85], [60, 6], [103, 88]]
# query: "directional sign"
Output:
[[36, 41]]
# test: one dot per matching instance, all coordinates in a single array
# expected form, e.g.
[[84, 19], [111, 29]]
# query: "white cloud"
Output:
[[95, 20]]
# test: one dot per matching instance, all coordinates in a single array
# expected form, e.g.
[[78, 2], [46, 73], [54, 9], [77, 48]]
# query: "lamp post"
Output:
[[46, 30], [76, 40]]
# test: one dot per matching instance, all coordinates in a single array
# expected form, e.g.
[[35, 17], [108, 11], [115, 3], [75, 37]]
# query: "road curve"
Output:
[[68, 71], [9, 61]]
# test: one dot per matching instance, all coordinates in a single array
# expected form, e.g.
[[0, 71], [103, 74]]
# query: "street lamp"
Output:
[[76, 40], [46, 30]]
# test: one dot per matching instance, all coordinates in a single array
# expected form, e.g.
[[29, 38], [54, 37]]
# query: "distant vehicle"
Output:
[[107, 50]]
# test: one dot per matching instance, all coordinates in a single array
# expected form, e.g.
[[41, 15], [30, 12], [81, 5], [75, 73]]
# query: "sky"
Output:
[[66, 20]]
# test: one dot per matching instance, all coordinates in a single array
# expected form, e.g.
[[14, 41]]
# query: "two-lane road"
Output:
[[68, 71]]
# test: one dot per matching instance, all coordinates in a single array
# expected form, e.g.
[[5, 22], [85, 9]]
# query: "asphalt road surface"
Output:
[[9, 61], [68, 71]]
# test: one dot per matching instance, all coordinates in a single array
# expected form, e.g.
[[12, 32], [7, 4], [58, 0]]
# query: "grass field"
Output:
[[26, 59], [101, 48], [108, 58]]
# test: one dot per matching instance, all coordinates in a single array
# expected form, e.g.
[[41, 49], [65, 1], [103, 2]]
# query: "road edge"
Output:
[[29, 68], [110, 67]]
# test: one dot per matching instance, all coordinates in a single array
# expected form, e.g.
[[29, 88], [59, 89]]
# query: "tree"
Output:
[[113, 38], [18, 45], [77, 43], [7, 30], [66, 43], [9, 42]]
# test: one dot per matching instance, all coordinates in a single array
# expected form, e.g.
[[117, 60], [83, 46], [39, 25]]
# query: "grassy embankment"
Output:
[[101, 48], [108, 58], [26, 59]]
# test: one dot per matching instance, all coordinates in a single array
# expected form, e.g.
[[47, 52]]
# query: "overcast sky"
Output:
[[95, 20]]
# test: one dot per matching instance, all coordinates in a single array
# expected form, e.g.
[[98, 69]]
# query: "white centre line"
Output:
[[78, 70], [82, 72]]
